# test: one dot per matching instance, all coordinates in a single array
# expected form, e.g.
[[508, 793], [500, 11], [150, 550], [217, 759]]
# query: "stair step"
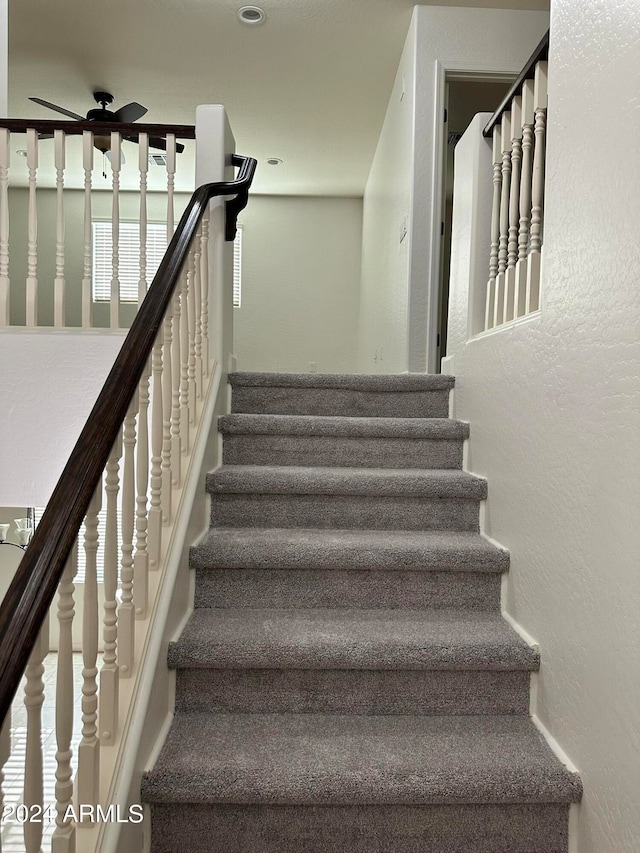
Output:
[[373, 498], [342, 441], [334, 759], [406, 395]]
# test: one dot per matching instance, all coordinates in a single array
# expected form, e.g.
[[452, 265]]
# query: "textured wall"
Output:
[[554, 408], [301, 277], [400, 280]]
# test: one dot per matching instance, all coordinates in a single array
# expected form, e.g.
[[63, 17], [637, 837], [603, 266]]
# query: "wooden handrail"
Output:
[[27, 601], [527, 73], [21, 125]]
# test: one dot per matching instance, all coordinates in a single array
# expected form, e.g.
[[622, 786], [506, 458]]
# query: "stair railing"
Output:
[[73, 165], [518, 130], [136, 441]]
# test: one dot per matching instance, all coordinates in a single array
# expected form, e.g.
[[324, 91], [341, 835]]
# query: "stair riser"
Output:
[[351, 691], [264, 588], [464, 828], [344, 511], [332, 401], [335, 451]]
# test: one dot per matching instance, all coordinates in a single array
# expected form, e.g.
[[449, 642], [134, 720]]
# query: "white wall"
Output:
[[400, 280], [4, 57], [301, 279], [554, 408], [50, 381]]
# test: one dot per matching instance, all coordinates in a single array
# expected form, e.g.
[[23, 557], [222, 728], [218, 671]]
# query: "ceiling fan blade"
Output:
[[160, 142], [57, 109], [45, 136], [130, 113]]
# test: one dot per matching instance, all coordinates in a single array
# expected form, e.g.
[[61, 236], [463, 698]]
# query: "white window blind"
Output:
[[128, 256], [237, 268]]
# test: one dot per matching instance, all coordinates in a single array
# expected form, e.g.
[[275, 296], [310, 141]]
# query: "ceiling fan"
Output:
[[125, 115]]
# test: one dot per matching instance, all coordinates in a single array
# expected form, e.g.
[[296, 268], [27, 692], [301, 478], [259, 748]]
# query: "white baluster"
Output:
[[495, 228], [33, 777], [59, 285], [184, 361], [204, 278], [5, 284], [63, 840], [540, 106], [525, 197], [115, 231], [155, 482], [5, 752], [126, 611], [191, 330], [171, 180], [176, 353], [141, 559], [32, 250], [87, 163], [89, 749], [498, 315], [143, 166], [109, 675], [197, 295], [167, 404], [514, 207]]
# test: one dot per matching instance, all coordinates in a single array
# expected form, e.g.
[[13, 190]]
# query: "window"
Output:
[[129, 257], [237, 268]]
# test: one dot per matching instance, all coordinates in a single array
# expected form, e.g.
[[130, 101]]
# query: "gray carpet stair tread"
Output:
[[427, 483], [316, 425], [304, 548], [342, 638], [349, 381], [325, 759]]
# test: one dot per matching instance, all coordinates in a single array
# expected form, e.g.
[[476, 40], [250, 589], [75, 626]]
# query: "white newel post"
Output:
[[214, 146]]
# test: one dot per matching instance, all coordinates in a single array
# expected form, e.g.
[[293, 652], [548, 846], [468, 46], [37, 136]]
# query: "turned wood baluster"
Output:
[[141, 559], [514, 207], [88, 776], [176, 358], [143, 166], [489, 309], [184, 361], [155, 481], [505, 133], [204, 279], [33, 776], [537, 213], [197, 295], [191, 323], [114, 315], [87, 164], [5, 753], [63, 840], [126, 611], [32, 247], [525, 197], [167, 396], [59, 284], [5, 284], [109, 675]]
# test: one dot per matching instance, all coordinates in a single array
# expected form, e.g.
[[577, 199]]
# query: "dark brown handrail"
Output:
[[527, 73], [31, 592]]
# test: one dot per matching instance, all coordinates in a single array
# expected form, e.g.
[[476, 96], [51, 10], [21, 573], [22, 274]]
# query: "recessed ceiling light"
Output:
[[251, 15], [274, 161]]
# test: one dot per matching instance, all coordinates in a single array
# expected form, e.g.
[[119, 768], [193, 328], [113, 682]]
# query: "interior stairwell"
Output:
[[346, 681]]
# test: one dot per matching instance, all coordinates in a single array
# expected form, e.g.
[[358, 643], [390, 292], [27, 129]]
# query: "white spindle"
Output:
[[155, 481], [89, 748], [167, 404], [514, 207], [109, 676], [5, 285], [171, 180], [498, 315], [525, 197], [32, 246], [204, 278], [59, 285], [63, 840], [184, 362], [540, 107], [87, 164], [176, 358], [5, 752], [197, 295], [191, 323], [495, 227], [141, 559], [115, 230], [143, 165], [33, 777], [126, 610]]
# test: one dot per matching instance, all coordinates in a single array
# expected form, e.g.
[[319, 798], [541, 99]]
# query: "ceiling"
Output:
[[310, 86]]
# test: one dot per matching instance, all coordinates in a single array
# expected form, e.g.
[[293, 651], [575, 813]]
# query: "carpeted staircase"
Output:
[[346, 683]]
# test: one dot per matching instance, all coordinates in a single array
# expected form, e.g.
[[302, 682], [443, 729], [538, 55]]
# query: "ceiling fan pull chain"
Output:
[[104, 165]]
